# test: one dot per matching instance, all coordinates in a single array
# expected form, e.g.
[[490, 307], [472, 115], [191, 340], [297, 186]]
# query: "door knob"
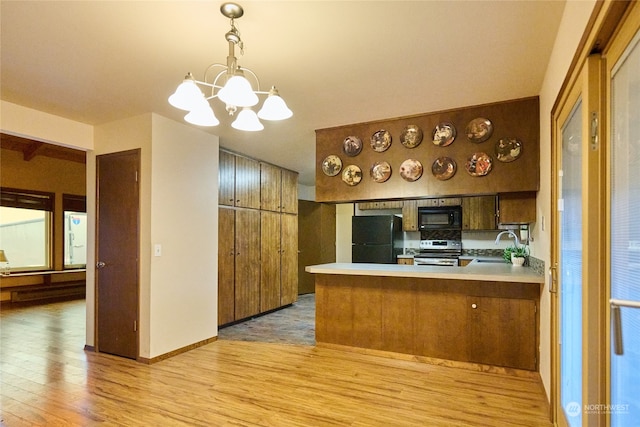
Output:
[[100, 264]]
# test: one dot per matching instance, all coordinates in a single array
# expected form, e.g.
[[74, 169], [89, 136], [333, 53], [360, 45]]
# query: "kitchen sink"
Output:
[[489, 260]]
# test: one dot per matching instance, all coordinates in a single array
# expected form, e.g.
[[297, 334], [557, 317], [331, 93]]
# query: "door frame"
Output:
[[586, 79]]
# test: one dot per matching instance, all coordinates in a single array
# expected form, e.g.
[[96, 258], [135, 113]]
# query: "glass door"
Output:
[[570, 267], [624, 241]]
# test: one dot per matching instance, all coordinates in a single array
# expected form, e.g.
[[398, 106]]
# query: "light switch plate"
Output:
[[157, 250]]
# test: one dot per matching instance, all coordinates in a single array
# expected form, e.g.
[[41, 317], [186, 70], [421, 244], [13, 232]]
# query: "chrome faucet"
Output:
[[515, 236]]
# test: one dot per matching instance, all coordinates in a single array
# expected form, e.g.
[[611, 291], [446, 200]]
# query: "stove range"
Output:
[[439, 252]]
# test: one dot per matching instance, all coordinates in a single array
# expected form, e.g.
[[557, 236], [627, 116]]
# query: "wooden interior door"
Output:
[[117, 237], [316, 240]]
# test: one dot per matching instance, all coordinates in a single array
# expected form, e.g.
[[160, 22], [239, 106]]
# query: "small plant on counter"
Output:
[[521, 251]]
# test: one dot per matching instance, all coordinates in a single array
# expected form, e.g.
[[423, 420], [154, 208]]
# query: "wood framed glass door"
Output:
[[623, 279]]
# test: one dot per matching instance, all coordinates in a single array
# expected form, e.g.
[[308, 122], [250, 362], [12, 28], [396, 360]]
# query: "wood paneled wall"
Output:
[[516, 119]]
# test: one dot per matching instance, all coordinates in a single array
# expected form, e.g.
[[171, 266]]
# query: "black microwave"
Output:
[[440, 218]]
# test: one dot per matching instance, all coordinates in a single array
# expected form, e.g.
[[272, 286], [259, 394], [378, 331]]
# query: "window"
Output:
[[25, 228], [75, 231]]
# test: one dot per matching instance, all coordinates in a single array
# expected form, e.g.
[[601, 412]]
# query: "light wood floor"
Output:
[[47, 379]]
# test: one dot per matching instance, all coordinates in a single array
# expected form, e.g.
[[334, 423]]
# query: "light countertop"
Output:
[[476, 270]]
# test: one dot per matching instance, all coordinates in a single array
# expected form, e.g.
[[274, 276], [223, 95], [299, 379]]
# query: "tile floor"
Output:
[[292, 325]]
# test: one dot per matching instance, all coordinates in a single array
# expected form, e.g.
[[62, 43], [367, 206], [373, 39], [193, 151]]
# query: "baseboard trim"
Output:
[[176, 352], [478, 367], [89, 348]]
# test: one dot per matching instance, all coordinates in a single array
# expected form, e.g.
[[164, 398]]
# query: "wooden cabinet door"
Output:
[[289, 192], [514, 208], [479, 213], [226, 265], [437, 315], [270, 187], [269, 260], [226, 178], [502, 331], [247, 188], [289, 259], [410, 215], [247, 274]]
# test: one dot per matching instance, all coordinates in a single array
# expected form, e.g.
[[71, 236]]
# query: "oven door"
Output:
[[436, 261]]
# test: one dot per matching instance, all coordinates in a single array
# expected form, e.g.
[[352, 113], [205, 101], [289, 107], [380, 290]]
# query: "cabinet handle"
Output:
[[474, 306]]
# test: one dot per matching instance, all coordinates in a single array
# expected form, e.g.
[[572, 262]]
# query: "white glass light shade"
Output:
[[274, 108], [202, 115], [247, 120], [237, 91], [187, 96]]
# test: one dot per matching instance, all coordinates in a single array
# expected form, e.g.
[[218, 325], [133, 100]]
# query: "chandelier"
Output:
[[229, 86]]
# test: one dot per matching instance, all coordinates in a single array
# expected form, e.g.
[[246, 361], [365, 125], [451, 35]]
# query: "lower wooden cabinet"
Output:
[[493, 323], [279, 260], [247, 274], [257, 262], [502, 331], [289, 259], [226, 265]]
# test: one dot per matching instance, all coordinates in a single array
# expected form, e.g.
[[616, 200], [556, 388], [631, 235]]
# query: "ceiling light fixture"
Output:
[[236, 92]]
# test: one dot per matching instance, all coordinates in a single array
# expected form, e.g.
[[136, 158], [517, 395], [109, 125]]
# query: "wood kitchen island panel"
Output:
[[484, 322]]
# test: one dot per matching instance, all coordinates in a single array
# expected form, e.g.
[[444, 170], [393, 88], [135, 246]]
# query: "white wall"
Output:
[[574, 21], [184, 221], [121, 135], [26, 122]]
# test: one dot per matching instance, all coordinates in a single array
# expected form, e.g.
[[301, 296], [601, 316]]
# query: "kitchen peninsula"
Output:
[[484, 313]]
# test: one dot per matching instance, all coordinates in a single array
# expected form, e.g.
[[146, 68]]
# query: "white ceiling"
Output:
[[334, 62]]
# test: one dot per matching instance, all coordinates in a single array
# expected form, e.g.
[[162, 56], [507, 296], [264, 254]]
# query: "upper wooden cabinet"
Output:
[[410, 215], [518, 119], [517, 208], [479, 213], [239, 181], [278, 189], [289, 191]]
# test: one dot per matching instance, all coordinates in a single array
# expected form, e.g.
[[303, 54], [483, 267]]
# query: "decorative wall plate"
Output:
[[331, 165], [411, 136], [479, 130], [381, 140], [352, 175], [380, 171], [479, 164], [443, 168], [508, 149], [411, 170], [443, 134], [352, 146]]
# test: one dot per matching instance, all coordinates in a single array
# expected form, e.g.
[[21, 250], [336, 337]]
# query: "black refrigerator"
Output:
[[376, 239]]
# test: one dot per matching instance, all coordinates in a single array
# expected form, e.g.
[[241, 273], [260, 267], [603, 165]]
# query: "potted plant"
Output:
[[516, 255]]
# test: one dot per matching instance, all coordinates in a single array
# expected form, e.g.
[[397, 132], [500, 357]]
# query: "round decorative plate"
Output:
[[479, 130], [411, 170], [444, 134], [411, 136], [352, 175], [443, 168], [479, 164], [508, 149], [352, 146], [380, 171], [331, 165], [381, 140]]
